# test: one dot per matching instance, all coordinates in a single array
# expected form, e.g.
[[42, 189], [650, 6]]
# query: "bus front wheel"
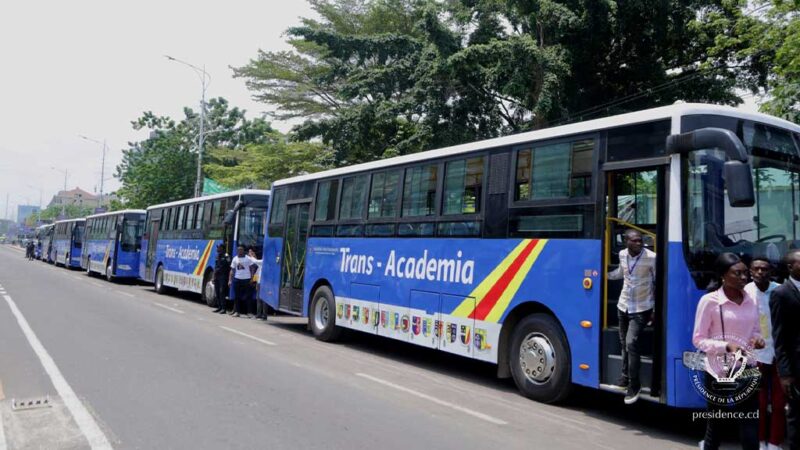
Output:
[[160, 288], [322, 316], [540, 360]]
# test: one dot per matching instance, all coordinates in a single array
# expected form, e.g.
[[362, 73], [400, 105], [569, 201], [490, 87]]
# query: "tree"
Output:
[[53, 212], [163, 167], [378, 78], [258, 165]]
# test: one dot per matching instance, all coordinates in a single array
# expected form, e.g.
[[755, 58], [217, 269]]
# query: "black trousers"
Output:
[[241, 295], [793, 419], [748, 428], [631, 326], [221, 291]]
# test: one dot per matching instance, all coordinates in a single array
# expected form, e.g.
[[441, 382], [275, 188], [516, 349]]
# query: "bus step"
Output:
[[613, 369], [645, 395]]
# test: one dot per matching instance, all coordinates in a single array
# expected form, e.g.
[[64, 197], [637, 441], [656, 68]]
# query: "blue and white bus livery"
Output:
[[113, 243], [498, 250], [181, 238], [68, 242]]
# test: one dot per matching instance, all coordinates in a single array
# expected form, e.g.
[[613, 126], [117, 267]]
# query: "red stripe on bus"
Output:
[[485, 306]]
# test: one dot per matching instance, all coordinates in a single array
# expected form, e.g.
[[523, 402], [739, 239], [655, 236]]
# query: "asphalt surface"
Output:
[[163, 372]]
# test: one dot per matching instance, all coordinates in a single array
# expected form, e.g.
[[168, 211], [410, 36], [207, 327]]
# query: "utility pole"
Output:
[[102, 165], [205, 79]]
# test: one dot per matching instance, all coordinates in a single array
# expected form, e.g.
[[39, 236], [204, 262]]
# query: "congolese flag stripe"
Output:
[[201, 265], [493, 295]]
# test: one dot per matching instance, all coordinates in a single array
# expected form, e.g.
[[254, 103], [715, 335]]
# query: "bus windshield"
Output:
[[252, 219], [131, 234], [769, 228]]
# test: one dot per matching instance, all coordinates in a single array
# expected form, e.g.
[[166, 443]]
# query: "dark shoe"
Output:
[[216, 310], [230, 313], [632, 396], [236, 315], [623, 382]]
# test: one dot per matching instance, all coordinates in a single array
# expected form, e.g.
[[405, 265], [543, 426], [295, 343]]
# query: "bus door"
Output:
[[294, 257], [152, 243], [634, 200]]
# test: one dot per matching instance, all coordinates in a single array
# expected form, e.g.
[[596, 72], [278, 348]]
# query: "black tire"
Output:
[[159, 281], [67, 262], [322, 315], [208, 293], [545, 377], [109, 273]]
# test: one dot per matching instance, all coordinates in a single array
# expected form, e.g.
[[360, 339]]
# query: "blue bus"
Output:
[[181, 238], [44, 234], [113, 243], [68, 242], [498, 250]]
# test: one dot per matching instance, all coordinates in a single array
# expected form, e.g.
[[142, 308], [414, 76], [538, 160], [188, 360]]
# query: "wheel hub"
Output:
[[321, 314], [537, 358]]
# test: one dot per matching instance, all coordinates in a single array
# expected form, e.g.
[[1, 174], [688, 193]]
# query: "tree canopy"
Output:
[[378, 78]]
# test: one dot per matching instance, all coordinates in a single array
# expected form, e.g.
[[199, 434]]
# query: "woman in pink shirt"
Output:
[[726, 325]]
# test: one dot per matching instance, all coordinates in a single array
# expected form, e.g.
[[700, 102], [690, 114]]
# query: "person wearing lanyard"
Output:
[[637, 267]]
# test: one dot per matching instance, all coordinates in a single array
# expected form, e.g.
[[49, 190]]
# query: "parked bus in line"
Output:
[[113, 243], [181, 238], [68, 242], [43, 237], [498, 250]]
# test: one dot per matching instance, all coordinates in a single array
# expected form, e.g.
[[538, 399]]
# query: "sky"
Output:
[[89, 67]]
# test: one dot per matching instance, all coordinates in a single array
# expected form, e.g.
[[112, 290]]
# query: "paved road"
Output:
[[154, 371]]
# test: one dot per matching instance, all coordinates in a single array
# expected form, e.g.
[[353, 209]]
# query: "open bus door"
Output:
[[635, 199], [152, 243]]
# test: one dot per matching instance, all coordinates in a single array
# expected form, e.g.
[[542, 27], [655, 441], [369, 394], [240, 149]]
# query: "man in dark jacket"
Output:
[[222, 266], [784, 305]]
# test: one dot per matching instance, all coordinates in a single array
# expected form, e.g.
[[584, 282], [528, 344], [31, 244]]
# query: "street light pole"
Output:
[[102, 165], [63, 205], [205, 78]]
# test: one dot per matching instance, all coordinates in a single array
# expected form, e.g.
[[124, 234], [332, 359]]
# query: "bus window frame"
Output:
[[561, 201]]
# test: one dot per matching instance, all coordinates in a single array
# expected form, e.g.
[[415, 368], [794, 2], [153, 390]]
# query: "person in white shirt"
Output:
[[772, 420], [637, 269], [241, 273]]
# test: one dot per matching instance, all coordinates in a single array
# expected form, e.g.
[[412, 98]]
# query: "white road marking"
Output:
[[95, 283], [124, 293], [444, 403], [88, 426], [168, 307], [263, 341]]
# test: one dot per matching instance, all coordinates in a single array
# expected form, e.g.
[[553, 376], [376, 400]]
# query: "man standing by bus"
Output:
[[637, 269], [784, 305], [240, 276], [222, 267]]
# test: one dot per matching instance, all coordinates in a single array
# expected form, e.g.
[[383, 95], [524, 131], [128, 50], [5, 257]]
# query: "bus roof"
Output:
[[647, 115], [83, 219], [210, 197], [113, 213]]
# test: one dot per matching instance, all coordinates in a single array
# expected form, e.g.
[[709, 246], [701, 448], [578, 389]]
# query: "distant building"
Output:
[[25, 211], [77, 197]]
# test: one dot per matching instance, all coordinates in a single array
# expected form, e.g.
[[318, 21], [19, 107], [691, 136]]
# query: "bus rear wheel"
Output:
[[322, 316], [208, 290], [159, 285], [540, 359]]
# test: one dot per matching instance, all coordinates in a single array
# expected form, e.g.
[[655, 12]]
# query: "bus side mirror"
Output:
[[230, 215], [739, 181]]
